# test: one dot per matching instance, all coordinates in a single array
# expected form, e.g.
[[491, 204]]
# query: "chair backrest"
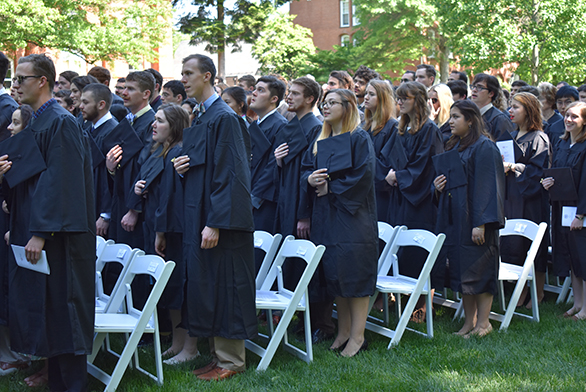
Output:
[[414, 237], [302, 249], [387, 234], [114, 253], [528, 229], [269, 244], [101, 244]]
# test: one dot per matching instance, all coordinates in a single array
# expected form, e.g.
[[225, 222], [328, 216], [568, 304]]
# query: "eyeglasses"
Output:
[[405, 80], [434, 100], [403, 99], [329, 104], [565, 102], [19, 79], [477, 87]]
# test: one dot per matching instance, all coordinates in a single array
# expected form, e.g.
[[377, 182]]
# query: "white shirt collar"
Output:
[[268, 114], [485, 109], [102, 120], [3, 91]]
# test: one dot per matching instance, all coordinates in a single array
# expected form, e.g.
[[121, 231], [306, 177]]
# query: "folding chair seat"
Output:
[[400, 284], [269, 244], [287, 301], [134, 322]]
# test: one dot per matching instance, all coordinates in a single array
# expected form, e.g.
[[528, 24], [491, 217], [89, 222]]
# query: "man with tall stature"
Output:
[[53, 315], [218, 235]]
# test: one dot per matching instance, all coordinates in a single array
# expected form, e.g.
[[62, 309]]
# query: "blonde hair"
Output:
[[445, 99], [420, 113], [350, 118], [385, 109]]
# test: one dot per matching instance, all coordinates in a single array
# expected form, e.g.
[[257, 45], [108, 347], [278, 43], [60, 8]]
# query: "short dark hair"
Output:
[[311, 88], [429, 70], [529, 89], [492, 84], [144, 79], [276, 87], [567, 91], [100, 92], [344, 79], [239, 95], [121, 80], [69, 75], [177, 88], [158, 77], [204, 64], [519, 83], [366, 73], [461, 76], [410, 72], [100, 73], [82, 81], [458, 87], [65, 95], [189, 101], [248, 79], [4, 65], [42, 66], [582, 88]]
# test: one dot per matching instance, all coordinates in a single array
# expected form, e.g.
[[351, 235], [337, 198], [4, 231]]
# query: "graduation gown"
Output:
[[569, 247], [473, 268], [555, 130], [101, 187], [525, 197], [344, 221], [7, 107], [163, 212], [497, 123], [382, 188], [143, 126], [54, 314], [446, 131], [220, 281], [264, 183]]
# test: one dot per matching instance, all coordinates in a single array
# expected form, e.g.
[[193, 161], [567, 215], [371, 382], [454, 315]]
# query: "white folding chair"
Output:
[[387, 234], [101, 244], [111, 253], [521, 274], [287, 301], [134, 322], [401, 284], [269, 244]]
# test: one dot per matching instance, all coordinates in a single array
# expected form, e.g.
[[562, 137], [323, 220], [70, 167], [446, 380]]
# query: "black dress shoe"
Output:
[[362, 348], [340, 348], [319, 336]]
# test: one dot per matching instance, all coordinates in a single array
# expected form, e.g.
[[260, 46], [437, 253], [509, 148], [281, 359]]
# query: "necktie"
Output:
[[131, 117]]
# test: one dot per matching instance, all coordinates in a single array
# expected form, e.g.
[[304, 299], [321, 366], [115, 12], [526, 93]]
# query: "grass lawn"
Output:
[[545, 356]]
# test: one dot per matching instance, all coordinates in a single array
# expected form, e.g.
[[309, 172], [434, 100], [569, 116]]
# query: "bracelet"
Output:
[[580, 217]]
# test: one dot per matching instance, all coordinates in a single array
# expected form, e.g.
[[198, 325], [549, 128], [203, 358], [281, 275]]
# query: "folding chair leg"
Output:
[[565, 289], [502, 295], [534, 300], [429, 315]]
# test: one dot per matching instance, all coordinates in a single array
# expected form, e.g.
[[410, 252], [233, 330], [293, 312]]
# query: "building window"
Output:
[[345, 40], [355, 21], [344, 13]]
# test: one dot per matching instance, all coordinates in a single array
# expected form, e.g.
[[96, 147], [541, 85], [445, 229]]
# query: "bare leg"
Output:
[[577, 289], [179, 334], [540, 283], [344, 322], [581, 315], [40, 378], [189, 350], [358, 315], [469, 303], [483, 303]]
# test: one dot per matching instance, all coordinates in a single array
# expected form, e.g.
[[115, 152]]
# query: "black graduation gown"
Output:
[[264, 184], [101, 187], [473, 268], [556, 130], [497, 123], [54, 314], [569, 247], [446, 131], [7, 107], [163, 212], [382, 188], [221, 280], [143, 126], [525, 197], [552, 120], [344, 221]]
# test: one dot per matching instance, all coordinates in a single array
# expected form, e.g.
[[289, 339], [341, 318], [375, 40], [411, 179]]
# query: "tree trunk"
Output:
[[222, 41], [444, 59]]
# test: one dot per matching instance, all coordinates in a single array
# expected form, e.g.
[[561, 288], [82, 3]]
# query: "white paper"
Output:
[[568, 215], [42, 265], [507, 150]]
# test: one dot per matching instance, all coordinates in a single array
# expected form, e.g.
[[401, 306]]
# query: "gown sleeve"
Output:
[[529, 175]]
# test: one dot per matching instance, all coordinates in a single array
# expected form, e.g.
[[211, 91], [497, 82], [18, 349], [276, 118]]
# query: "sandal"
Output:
[[9, 368]]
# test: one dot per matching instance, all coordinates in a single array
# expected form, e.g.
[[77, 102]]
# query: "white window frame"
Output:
[[355, 21], [345, 40], [345, 13]]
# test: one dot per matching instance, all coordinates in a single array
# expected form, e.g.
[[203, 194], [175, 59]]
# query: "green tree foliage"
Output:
[[91, 29], [283, 47], [341, 58]]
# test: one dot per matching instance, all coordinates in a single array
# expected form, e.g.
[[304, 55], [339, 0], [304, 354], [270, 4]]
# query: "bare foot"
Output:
[[38, 379], [339, 342], [170, 352], [572, 311], [464, 330], [530, 305], [479, 331]]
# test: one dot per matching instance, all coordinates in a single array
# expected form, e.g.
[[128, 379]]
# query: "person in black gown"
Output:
[[441, 101], [235, 97], [471, 213], [344, 215], [569, 243], [487, 94], [525, 198], [564, 97]]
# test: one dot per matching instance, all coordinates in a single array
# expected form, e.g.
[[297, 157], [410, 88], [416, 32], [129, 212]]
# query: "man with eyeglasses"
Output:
[[564, 97], [486, 91], [53, 315], [408, 76]]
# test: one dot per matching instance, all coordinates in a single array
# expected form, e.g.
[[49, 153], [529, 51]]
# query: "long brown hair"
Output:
[[420, 113], [477, 127], [582, 135], [350, 118], [532, 106], [178, 120], [385, 109]]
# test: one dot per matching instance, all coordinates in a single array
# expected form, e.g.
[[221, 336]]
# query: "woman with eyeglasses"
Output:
[[469, 188], [410, 173], [525, 198], [380, 123], [441, 100], [569, 243], [338, 170]]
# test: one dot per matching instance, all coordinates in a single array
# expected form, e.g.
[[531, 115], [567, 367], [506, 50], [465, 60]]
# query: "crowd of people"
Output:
[[190, 168]]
